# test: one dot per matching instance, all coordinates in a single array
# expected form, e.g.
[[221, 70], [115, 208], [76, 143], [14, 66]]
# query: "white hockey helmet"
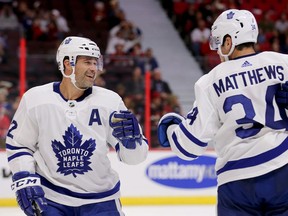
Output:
[[77, 46], [241, 25]]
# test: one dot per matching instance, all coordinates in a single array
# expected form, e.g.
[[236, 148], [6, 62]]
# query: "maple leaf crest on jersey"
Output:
[[73, 156]]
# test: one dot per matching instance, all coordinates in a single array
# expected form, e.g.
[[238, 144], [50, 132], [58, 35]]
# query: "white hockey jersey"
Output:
[[235, 109], [66, 143]]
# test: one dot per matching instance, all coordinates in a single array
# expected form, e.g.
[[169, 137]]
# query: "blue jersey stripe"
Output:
[[10, 147], [256, 160], [183, 151], [70, 193], [19, 154], [191, 137]]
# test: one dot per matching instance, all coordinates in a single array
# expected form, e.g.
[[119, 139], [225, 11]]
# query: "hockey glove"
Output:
[[167, 120], [125, 128], [29, 193], [282, 95]]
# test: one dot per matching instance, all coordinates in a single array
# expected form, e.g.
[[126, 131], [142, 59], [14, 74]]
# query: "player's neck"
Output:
[[239, 53], [68, 91]]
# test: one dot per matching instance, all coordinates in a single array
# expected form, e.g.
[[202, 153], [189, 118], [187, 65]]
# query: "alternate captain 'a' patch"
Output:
[[73, 155]]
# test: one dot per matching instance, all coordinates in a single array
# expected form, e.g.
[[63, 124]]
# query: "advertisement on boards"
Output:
[[162, 178]]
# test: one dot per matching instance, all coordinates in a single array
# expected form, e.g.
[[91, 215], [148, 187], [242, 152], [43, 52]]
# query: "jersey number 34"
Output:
[[250, 113]]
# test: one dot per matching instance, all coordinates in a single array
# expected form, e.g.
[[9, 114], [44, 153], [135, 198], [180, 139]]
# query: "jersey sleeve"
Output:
[[21, 140], [190, 139]]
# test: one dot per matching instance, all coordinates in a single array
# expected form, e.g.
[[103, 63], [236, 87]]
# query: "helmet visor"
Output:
[[100, 64]]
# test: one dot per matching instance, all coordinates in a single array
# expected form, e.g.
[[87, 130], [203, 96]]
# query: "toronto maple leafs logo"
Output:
[[230, 15], [67, 41], [73, 155]]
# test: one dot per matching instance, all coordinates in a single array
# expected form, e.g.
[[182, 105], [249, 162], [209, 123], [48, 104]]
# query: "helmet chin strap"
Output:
[[73, 80], [226, 56]]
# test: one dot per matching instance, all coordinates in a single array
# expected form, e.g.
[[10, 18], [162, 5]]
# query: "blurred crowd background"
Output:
[[46, 23]]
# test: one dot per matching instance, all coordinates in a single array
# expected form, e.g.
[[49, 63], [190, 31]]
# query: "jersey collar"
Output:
[[56, 89], [245, 56]]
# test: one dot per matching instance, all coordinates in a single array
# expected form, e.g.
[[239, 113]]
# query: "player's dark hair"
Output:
[[244, 45]]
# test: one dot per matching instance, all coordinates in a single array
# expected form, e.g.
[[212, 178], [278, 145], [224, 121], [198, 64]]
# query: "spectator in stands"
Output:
[[115, 15], [5, 109], [25, 16], [199, 37], [145, 60], [138, 56], [124, 27], [38, 32], [99, 13], [188, 21], [8, 19], [118, 38], [6, 106], [157, 110], [135, 86], [61, 23], [267, 23], [179, 9], [136, 50], [52, 33], [4, 126], [159, 86], [135, 93], [127, 31], [281, 24], [132, 40], [171, 104], [3, 48], [151, 62], [120, 57], [121, 90]]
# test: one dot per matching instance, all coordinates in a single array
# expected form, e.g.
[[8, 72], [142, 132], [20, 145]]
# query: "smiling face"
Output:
[[85, 71]]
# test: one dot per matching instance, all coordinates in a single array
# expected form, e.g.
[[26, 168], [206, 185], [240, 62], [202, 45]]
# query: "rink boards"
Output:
[[162, 179]]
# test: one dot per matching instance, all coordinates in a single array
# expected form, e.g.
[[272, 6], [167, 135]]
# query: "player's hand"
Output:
[[282, 95], [167, 120], [125, 128], [29, 193]]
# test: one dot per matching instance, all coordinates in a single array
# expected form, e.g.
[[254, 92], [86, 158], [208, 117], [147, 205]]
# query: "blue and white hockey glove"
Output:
[[29, 193], [282, 95], [167, 120], [125, 128]]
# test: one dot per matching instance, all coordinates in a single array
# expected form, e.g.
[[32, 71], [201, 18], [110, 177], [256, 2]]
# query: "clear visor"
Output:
[[100, 63], [214, 42]]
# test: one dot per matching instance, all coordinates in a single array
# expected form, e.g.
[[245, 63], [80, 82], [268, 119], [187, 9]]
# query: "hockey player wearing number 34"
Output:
[[235, 108], [57, 143]]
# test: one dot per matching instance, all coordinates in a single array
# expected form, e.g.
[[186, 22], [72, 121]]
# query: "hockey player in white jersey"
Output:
[[57, 143], [236, 109]]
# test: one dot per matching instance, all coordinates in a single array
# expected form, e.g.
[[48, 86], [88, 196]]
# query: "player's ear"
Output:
[[67, 67], [226, 44]]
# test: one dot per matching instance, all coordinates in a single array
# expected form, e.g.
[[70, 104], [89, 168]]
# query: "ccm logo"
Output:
[[25, 182]]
